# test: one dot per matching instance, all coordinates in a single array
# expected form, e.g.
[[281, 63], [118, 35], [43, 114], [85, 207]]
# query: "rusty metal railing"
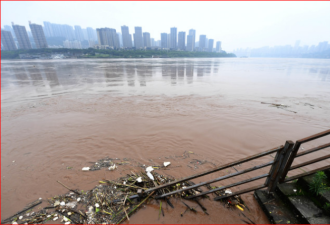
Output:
[[280, 166], [294, 154], [275, 166]]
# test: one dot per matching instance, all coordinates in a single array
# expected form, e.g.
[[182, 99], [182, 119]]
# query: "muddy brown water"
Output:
[[57, 114]]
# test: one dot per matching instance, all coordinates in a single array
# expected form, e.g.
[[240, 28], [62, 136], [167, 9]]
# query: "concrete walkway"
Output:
[[295, 203]]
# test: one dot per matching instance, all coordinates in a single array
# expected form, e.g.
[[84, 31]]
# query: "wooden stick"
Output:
[[109, 181], [35, 203], [69, 188], [124, 207], [137, 206]]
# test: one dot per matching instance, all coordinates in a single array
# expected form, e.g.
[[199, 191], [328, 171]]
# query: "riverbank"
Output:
[[106, 53]]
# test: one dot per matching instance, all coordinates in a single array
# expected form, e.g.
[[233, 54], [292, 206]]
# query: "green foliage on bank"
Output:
[[100, 53]]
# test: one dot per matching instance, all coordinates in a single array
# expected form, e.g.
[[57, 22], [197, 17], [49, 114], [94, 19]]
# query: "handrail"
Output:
[[241, 192], [218, 168], [217, 179], [229, 186], [306, 174], [309, 162], [313, 150], [296, 147]]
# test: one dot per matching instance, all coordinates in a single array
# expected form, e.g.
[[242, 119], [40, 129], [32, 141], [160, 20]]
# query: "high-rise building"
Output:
[[29, 34], [131, 40], [182, 40], [22, 37], [108, 36], [202, 42], [163, 37], [168, 40], [112, 37], [101, 36], [190, 43], [78, 33], [127, 38], [59, 30], [173, 39], [65, 31], [48, 29], [115, 36], [146, 39], [68, 31], [38, 35], [191, 47], [9, 28], [85, 34], [138, 39], [120, 39], [210, 46], [7, 40], [218, 46], [91, 34], [152, 42]]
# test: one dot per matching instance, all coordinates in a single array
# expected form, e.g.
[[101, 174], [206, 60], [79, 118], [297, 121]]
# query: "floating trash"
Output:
[[228, 191], [150, 176], [56, 203], [113, 167], [112, 201], [149, 169]]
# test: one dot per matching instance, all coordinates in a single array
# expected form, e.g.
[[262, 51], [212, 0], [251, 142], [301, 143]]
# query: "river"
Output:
[[60, 114]]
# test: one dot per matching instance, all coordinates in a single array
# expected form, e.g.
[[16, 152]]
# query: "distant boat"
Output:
[[244, 57]]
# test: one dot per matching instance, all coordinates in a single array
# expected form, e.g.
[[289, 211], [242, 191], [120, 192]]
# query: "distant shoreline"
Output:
[[62, 53]]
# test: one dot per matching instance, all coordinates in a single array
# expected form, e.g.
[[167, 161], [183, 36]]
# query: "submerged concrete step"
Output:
[[274, 208], [323, 197], [302, 205]]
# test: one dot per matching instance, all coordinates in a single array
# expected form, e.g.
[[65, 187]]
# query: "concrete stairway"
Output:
[[295, 203]]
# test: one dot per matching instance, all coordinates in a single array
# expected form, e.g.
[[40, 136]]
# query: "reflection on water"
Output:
[[28, 79]]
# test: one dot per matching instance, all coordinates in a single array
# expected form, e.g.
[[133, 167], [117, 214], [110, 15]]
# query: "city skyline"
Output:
[[76, 37], [236, 24], [36, 38]]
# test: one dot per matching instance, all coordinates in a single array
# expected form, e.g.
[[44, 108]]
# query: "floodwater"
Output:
[[57, 114]]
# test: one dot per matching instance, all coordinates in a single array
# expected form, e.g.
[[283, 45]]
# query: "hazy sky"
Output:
[[236, 24]]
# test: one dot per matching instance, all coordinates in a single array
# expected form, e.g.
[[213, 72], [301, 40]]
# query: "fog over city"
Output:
[[235, 24]]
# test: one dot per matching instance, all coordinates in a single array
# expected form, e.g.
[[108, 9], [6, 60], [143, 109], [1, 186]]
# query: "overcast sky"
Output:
[[236, 24]]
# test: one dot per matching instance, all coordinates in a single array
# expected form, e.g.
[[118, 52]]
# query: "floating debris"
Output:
[[149, 169], [280, 106], [113, 167], [113, 201], [228, 191], [85, 169], [105, 162]]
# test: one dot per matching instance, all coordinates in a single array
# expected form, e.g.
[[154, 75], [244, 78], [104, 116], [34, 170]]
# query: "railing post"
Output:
[[274, 166], [290, 161], [278, 166]]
